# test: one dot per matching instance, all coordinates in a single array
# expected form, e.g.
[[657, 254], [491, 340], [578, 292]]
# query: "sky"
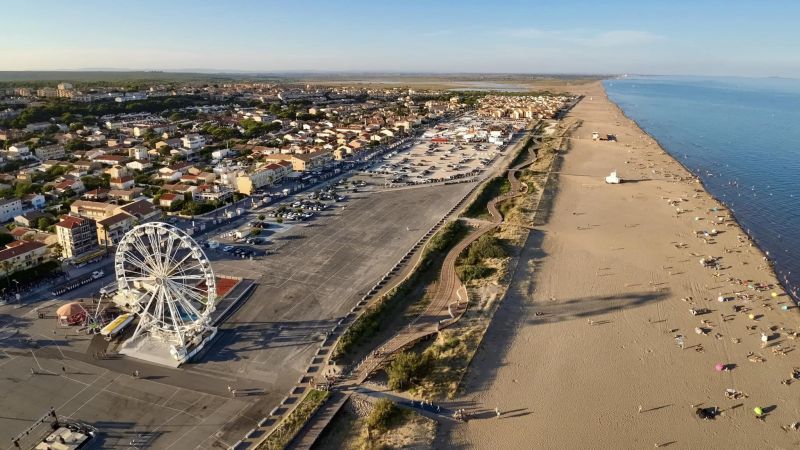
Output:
[[731, 37]]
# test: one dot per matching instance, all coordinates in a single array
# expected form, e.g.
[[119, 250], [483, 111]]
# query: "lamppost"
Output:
[[17, 295]]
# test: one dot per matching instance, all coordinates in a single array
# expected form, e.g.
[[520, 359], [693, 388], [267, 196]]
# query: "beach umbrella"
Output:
[[719, 367], [752, 316], [785, 307], [758, 411], [774, 294]]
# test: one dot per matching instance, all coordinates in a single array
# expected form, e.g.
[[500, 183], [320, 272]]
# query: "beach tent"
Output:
[[71, 314]]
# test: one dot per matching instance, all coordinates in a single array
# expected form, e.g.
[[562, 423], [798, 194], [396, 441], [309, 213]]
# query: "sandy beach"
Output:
[[596, 344]]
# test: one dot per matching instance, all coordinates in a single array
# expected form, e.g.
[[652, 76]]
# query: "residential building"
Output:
[[47, 92], [111, 229], [77, 236], [193, 141], [21, 255], [9, 209], [213, 192], [32, 234], [75, 185], [127, 195], [170, 199], [111, 160], [305, 162], [142, 210], [138, 152], [123, 182], [37, 201], [263, 176], [19, 151], [46, 152], [92, 210], [31, 218]]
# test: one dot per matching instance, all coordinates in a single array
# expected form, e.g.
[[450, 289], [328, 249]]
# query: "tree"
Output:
[[91, 182], [57, 250], [43, 223], [23, 188], [105, 237], [5, 238], [6, 267], [75, 144]]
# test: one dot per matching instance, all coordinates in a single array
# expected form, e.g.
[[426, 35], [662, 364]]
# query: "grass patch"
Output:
[[449, 357], [391, 304], [387, 426], [471, 265], [291, 424], [495, 187]]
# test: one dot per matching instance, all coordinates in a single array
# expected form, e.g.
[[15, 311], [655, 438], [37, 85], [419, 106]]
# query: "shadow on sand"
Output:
[[517, 311]]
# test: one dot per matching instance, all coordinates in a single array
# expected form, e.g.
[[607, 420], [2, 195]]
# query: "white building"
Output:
[[19, 151], [138, 152], [9, 209], [193, 141]]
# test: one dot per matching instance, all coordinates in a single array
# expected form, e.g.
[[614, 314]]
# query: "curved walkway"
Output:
[[450, 298], [447, 305]]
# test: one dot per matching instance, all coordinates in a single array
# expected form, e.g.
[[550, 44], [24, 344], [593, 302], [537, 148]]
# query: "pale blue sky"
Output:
[[759, 38]]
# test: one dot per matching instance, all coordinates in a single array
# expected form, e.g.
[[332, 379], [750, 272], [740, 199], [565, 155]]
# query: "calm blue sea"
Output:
[[741, 136]]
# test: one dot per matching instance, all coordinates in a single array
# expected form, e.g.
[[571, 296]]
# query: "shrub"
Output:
[[381, 416], [495, 187], [406, 369], [473, 272], [487, 246]]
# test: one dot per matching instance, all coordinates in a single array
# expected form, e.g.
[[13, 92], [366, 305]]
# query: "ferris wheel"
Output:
[[168, 281]]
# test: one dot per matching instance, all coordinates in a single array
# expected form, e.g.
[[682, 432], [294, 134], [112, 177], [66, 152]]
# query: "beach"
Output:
[[613, 333]]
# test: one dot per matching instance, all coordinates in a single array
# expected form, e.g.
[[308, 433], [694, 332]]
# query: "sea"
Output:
[[741, 137]]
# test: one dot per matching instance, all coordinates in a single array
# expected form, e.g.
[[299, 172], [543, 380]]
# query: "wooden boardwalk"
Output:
[[447, 306]]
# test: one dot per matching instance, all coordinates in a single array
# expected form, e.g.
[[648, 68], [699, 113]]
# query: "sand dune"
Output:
[[586, 338]]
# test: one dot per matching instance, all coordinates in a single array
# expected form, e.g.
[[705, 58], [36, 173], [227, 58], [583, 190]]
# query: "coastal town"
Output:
[[385, 226], [82, 165], [115, 200]]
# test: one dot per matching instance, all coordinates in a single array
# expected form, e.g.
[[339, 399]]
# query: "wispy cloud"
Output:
[[437, 33], [616, 38], [610, 38], [525, 33]]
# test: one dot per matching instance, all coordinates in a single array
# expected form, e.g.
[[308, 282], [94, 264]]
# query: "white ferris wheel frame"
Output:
[[160, 285]]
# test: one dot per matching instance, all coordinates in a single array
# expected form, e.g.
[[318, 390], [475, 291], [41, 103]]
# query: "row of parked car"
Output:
[[242, 252]]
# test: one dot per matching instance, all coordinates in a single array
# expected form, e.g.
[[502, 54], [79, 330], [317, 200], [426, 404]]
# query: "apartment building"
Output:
[[21, 255], [263, 176], [9, 209], [111, 230], [304, 162], [77, 236], [46, 152]]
